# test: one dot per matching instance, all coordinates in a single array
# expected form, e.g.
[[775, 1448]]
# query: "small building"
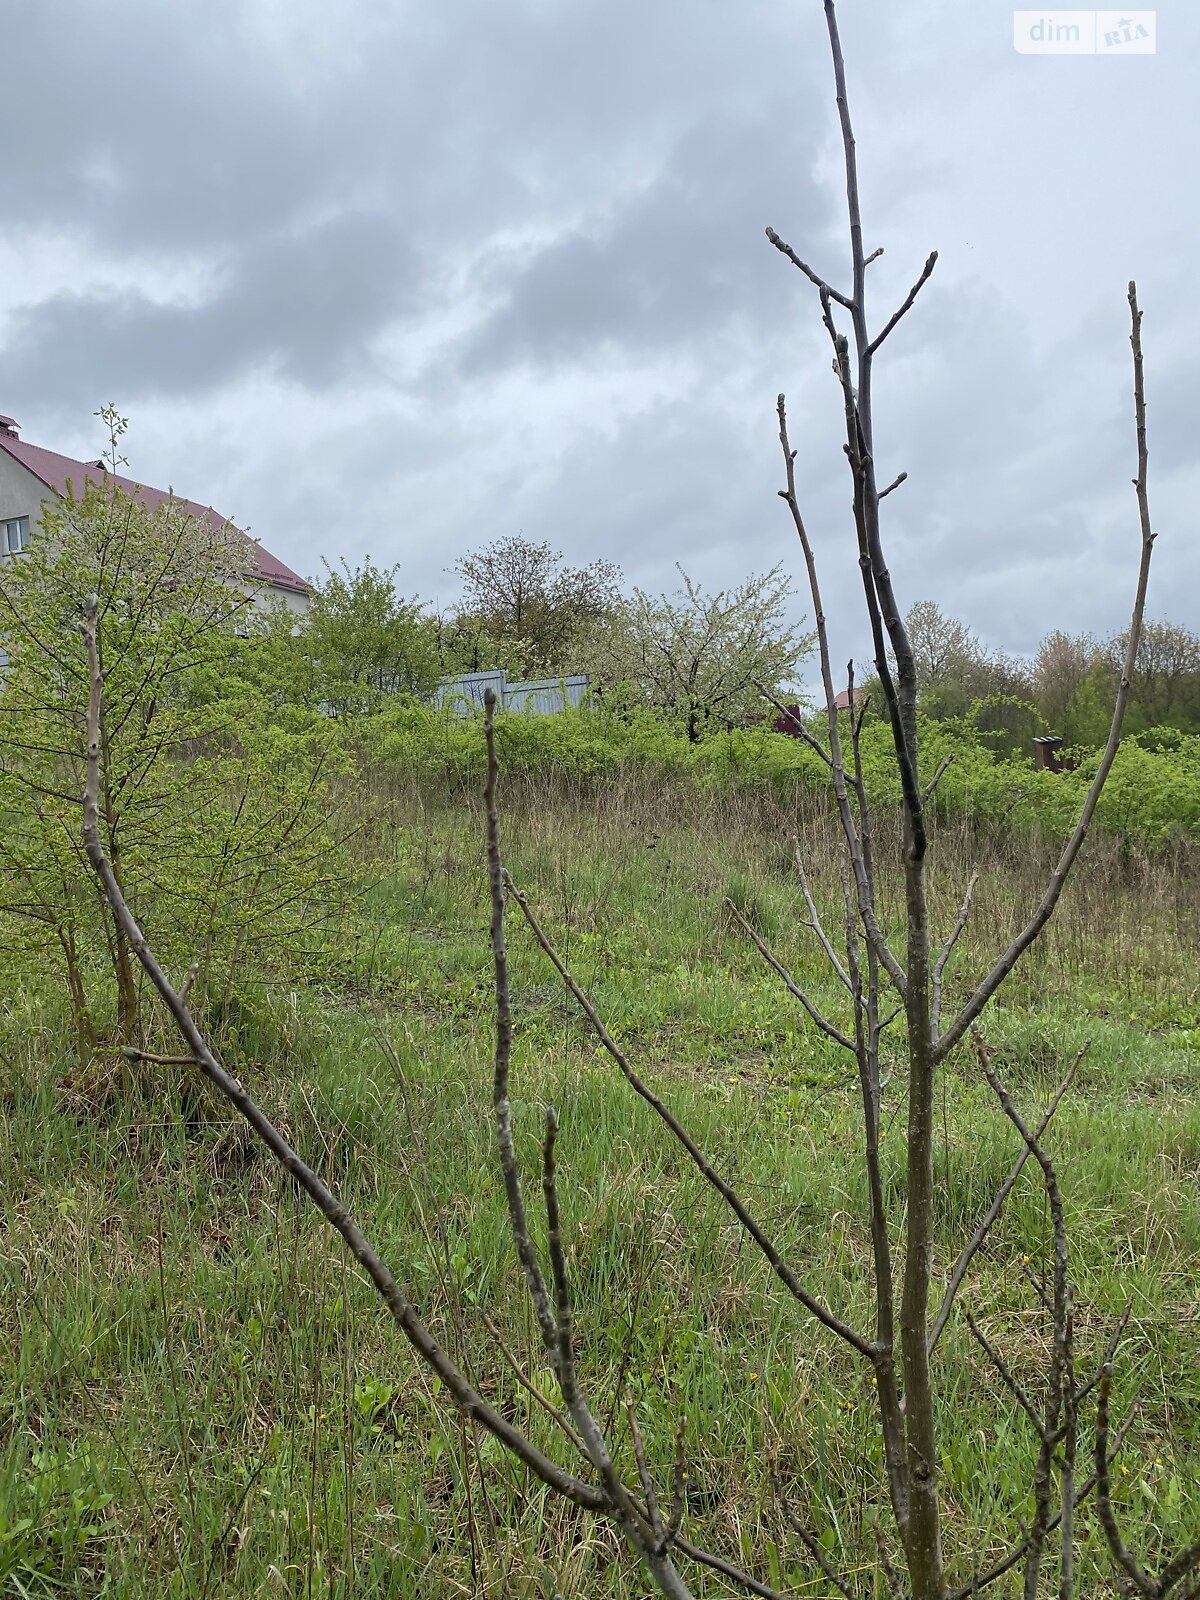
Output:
[[793, 719], [1048, 756], [31, 475]]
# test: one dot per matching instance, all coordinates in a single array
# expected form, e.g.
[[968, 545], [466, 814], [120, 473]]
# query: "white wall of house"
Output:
[[265, 596], [21, 493]]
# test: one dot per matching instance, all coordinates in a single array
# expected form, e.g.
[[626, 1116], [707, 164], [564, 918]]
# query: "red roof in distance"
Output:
[[61, 473]]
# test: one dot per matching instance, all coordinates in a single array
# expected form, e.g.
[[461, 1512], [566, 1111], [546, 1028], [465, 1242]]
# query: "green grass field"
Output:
[[199, 1397]]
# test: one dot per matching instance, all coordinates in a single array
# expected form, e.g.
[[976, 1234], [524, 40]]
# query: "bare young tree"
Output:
[[884, 983]]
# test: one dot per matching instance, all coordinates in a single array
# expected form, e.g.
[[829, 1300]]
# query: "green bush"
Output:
[[1152, 796]]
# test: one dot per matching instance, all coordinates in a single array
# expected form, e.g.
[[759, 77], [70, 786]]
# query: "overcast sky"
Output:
[[393, 277]]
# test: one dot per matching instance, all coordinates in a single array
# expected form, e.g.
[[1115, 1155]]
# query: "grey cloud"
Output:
[[304, 305], [335, 172], [682, 256]]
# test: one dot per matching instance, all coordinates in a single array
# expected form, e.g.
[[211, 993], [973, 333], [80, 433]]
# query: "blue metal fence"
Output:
[[535, 697]]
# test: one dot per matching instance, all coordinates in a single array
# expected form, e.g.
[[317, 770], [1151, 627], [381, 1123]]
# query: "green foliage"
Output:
[[244, 1411], [1153, 794], [702, 660], [357, 644], [523, 609], [218, 818], [1068, 689]]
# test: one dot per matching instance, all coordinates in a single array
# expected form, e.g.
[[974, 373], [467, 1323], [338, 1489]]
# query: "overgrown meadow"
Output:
[[199, 1397]]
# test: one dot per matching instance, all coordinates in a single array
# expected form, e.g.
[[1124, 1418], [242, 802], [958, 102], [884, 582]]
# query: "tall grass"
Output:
[[203, 1400]]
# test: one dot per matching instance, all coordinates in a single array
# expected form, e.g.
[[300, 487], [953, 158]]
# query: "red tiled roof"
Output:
[[62, 472]]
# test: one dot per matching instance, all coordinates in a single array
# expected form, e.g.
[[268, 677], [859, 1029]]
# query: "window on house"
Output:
[[14, 535]]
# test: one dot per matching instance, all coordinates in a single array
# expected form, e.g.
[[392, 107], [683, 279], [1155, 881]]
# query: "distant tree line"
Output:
[[1066, 689], [702, 660]]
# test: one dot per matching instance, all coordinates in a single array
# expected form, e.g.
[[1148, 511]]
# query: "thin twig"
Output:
[[797, 723], [948, 948], [813, 277], [530, 1388], [815, 923], [1179, 1567], [1010, 1382], [971, 1248], [1141, 1580], [901, 477], [535, 1280], [643, 1090], [814, 1549], [930, 263], [644, 1474], [862, 878], [132, 1054], [1071, 849], [831, 1030], [942, 766], [1019, 1550]]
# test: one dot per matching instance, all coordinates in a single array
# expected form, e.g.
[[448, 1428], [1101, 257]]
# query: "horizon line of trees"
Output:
[[701, 659], [1065, 689], [705, 661]]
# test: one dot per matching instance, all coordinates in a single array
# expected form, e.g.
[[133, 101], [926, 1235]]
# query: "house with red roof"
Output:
[[30, 475]]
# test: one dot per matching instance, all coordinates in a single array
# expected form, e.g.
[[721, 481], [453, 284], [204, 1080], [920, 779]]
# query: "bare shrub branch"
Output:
[[780, 1267], [975, 1242], [814, 278], [404, 1314], [829, 1029], [948, 948], [909, 300], [1071, 849]]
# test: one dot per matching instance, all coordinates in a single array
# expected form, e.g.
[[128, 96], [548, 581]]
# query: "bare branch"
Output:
[[1061, 1399], [530, 1388], [973, 1245], [714, 1563], [947, 949], [828, 1028], [1066, 860], [557, 1320], [1110, 1350], [131, 1054], [1141, 1580], [534, 1278], [825, 288], [926, 270], [1018, 1552], [710, 1174], [1176, 1570], [403, 1313], [901, 477], [1184, 1564], [679, 1480], [815, 924], [814, 1549], [862, 881], [1010, 1382], [943, 764], [802, 732], [891, 1576], [644, 1474]]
